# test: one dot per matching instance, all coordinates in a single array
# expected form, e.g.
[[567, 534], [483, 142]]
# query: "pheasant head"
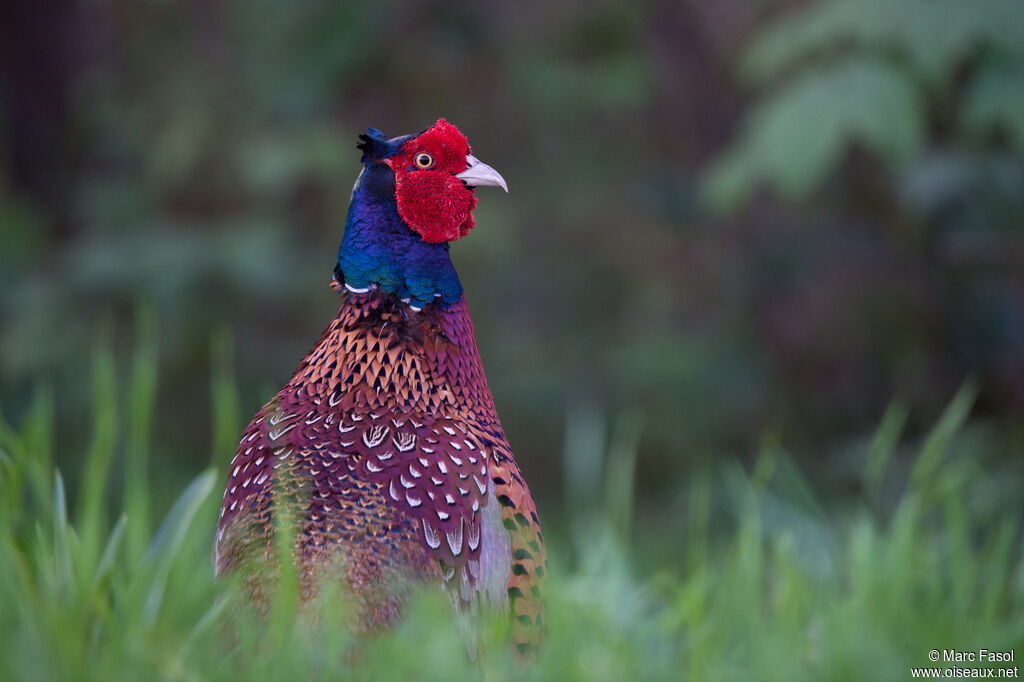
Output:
[[414, 195]]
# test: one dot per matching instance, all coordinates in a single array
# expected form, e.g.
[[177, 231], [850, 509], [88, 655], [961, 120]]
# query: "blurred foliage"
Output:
[[876, 74], [797, 138], [783, 585]]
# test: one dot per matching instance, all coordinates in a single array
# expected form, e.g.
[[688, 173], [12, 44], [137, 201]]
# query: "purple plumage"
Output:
[[385, 447]]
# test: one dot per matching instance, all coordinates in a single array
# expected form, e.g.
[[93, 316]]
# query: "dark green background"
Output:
[[732, 222]]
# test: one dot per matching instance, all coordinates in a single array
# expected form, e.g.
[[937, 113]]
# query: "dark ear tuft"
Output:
[[374, 145]]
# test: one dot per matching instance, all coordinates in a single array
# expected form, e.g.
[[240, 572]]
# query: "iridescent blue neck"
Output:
[[380, 249]]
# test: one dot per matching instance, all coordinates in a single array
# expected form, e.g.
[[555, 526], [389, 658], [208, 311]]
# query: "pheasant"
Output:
[[385, 449]]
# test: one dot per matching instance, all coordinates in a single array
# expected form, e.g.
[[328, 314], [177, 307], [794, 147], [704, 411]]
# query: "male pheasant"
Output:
[[385, 446]]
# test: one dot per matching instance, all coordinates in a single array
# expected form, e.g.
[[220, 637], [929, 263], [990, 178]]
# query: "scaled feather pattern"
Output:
[[384, 449]]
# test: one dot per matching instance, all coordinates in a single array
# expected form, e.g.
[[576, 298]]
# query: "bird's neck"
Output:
[[380, 251], [378, 354]]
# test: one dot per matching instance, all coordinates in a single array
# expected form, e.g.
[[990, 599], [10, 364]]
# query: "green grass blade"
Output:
[[32, 452], [883, 445], [224, 396], [209, 618], [286, 597], [923, 475], [620, 473], [63, 570], [141, 408], [106, 564], [169, 538], [91, 503]]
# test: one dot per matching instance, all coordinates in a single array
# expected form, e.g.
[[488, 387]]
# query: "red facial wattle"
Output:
[[432, 200], [436, 204]]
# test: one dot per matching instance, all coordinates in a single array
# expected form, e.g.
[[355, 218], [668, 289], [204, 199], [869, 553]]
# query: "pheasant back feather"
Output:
[[386, 446]]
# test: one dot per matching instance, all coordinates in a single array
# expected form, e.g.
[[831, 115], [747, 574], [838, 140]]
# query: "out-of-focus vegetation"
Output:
[[898, 80], [745, 227], [198, 156], [785, 589]]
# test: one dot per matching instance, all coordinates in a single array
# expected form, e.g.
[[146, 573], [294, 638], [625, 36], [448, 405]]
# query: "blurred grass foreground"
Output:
[[793, 588]]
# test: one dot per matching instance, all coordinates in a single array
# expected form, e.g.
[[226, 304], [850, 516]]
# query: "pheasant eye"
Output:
[[424, 160]]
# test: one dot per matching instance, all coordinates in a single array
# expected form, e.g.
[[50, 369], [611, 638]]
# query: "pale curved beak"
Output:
[[478, 174]]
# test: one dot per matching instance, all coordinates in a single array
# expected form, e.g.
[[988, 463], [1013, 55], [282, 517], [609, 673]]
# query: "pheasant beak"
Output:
[[478, 173]]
